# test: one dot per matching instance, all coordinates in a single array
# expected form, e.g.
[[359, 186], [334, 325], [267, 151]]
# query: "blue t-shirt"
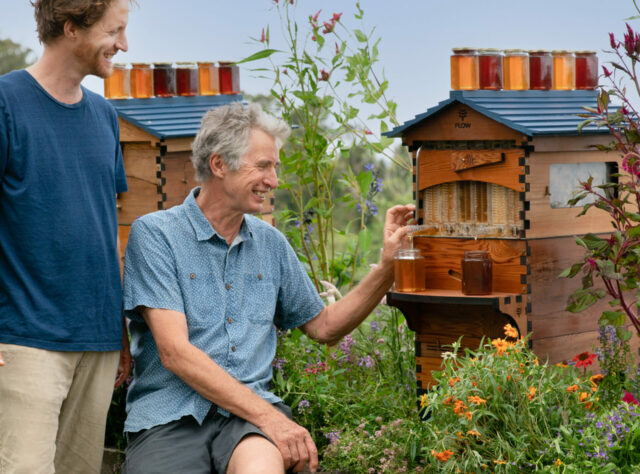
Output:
[[231, 295], [60, 169]]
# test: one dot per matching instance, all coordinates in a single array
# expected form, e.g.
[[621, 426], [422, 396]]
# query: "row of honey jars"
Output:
[[516, 69], [143, 81]]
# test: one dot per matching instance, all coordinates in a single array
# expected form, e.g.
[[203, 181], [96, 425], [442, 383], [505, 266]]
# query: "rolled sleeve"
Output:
[[150, 277]]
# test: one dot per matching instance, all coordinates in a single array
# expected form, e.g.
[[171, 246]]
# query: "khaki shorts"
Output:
[[53, 409]]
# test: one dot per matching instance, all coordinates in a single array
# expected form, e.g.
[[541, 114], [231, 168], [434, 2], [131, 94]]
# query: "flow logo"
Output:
[[462, 113]]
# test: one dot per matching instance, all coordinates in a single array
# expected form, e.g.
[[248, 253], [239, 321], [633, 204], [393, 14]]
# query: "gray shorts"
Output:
[[186, 447]]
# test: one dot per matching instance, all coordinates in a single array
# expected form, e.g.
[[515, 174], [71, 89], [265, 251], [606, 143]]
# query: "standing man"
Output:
[[61, 325], [205, 283]]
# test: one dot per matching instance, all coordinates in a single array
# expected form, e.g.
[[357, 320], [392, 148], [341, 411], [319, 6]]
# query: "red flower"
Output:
[[607, 73], [328, 27], [324, 75], [584, 359], [336, 17], [263, 37], [337, 48], [315, 17], [592, 263], [612, 40], [630, 399]]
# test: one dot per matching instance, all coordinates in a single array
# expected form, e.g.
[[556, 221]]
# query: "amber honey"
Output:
[[477, 273], [490, 69], [515, 70], [229, 77], [564, 70], [464, 69], [540, 70], [164, 80], [409, 271], [186, 79], [116, 86], [141, 81], [586, 70], [208, 78]]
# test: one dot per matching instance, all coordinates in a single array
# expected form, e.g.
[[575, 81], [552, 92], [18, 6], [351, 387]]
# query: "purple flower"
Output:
[[332, 436], [346, 344], [303, 405], [374, 326], [366, 361], [369, 167]]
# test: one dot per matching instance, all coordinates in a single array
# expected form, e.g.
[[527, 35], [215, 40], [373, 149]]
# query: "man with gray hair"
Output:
[[206, 284]]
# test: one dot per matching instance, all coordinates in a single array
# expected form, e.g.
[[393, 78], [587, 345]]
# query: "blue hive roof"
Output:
[[170, 117], [530, 112]]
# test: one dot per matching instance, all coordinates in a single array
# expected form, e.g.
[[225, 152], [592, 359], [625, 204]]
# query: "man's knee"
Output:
[[255, 454]]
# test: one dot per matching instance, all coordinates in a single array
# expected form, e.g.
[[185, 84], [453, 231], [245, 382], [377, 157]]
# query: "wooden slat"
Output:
[[435, 168], [547, 222], [444, 254], [131, 133], [463, 160], [178, 144], [140, 162], [459, 122], [142, 198], [580, 143], [176, 186]]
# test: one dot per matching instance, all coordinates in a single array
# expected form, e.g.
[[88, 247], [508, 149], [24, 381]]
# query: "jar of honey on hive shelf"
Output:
[[229, 77], [164, 80], [186, 79], [464, 69], [586, 70], [409, 270], [515, 70], [564, 70], [141, 81], [540, 70], [490, 69], [116, 86], [208, 78], [477, 273]]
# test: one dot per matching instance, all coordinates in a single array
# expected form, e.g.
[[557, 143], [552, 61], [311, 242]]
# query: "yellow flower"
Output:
[[476, 400], [423, 401], [510, 331], [535, 361], [558, 463], [572, 388], [532, 393], [499, 461]]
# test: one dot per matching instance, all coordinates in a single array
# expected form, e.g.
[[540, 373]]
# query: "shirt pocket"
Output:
[[259, 297], [203, 301]]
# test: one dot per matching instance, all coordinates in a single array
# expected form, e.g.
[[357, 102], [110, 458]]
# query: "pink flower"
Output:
[[337, 48], [592, 263], [324, 75], [607, 73], [368, 132], [612, 40], [631, 41], [630, 399], [313, 38], [624, 110], [263, 37], [315, 17], [336, 17], [328, 27]]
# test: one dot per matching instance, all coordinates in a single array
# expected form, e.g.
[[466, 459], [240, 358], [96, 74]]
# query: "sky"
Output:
[[416, 35]]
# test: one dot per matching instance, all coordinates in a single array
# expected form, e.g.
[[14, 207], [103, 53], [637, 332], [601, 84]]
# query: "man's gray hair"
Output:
[[225, 131]]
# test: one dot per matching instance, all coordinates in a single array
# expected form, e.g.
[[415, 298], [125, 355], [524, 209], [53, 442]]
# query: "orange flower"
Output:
[[562, 365], [588, 405], [572, 388], [596, 379], [583, 397], [510, 331], [423, 401], [558, 463], [501, 346], [499, 461], [468, 415], [535, 361], [509, 378], [474, 433], [459, 407], [447, 400], [474, 383], [443, 456], [453, 381], [477, 400], [532, 393]]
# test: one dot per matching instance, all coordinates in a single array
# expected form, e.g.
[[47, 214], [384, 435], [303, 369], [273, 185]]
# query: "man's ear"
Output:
[[70, 30], [217, 166]]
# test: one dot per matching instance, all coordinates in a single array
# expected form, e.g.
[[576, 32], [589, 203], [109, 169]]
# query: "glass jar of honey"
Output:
[[540, 70], [208, 78], [409, 270], [515, 70], [229, 77], [490, 69], [477, 273], [586, 70], [141, 81], [164, 80], [464, 69], [564, 70], [186, 79], [116, 86]]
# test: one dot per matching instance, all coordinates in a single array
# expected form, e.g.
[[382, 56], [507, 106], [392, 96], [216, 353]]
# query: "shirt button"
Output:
[[227, 286], [230, 320], [259, 276], [233, 348], [192, 276]]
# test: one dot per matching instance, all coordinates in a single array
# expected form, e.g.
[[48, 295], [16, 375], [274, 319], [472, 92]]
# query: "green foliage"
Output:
[[320, 90], [13, 56]]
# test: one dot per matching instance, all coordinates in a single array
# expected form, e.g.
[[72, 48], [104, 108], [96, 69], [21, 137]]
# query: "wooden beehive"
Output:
[[493, 171], [156, 136]]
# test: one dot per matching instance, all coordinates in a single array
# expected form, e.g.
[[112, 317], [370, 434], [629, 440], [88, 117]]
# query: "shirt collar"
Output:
[[203, 228]]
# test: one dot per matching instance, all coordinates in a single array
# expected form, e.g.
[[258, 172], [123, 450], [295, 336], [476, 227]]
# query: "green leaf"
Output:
[[265, 53], [634, 232], [364, 240], [615, 318], [360, 36], [571, 271], [364, 178]]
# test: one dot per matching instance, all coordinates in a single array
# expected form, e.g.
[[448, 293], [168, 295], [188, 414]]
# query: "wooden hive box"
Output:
[[493, 170], [156, 136]]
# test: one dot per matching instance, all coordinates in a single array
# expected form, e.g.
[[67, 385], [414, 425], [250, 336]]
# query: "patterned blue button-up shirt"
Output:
[[233, 298]]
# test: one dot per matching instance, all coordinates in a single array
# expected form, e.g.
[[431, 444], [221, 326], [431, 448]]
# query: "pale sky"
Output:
[[417, 35]]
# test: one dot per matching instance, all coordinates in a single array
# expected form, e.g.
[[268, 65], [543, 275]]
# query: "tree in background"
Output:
[[13, 56]]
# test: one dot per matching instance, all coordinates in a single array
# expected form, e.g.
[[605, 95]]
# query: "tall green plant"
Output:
[[320, 82]]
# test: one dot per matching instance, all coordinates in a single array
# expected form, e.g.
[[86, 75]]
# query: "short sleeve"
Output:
[[298, 300], [150, 277]]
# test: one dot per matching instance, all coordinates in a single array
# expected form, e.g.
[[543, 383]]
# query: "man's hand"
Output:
[[395, 231], [124, 366], [1, 361], [293, 441]]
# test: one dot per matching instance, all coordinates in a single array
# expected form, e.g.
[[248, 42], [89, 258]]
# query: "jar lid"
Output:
[[409, 253], [162, 64], [584, 53], [515, 51], [120, 65], [561, 51], [205, 63], [140, 64], [467, 49], [539, 51], [185, 63], [489, 51], [226, 63]]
